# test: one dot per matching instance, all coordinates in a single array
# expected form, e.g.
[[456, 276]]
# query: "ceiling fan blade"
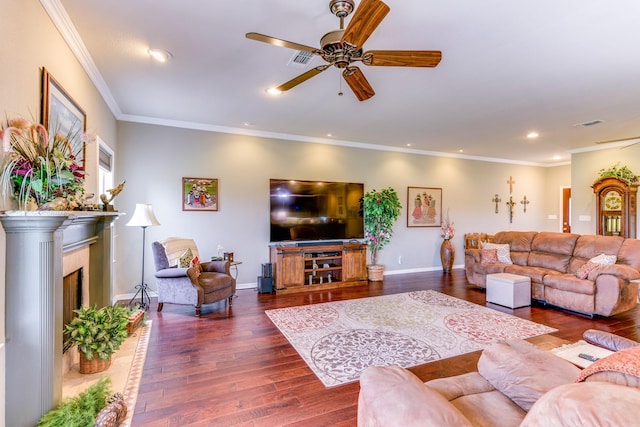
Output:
[[402, 58], [365, 20], [358, 83], [302, 78], [609, 141], [282, 43]]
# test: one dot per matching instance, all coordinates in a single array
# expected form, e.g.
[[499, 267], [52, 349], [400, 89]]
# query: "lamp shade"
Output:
[[143, 216]]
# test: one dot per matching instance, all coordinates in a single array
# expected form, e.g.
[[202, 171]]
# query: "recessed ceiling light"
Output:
[[273, 91], [248, 124], [461, 151], [160, 55], [408, 145], [329, 135], [532, 135]]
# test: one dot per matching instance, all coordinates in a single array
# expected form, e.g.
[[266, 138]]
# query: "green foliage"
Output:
[[621, 172], [381, 209], [81, 410], [98, 331]]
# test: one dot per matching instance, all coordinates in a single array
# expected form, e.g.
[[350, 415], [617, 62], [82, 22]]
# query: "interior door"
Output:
[[566, 210]]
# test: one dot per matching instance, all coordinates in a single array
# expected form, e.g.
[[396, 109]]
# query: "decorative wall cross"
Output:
[[511, 182], [525, 202], [511, 204], [496, 200]]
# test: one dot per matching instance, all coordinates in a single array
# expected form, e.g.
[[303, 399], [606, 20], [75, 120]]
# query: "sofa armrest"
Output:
[[621, 271], [393, 396], [608, 340], [217, 266], [171, 272], [473, 253]]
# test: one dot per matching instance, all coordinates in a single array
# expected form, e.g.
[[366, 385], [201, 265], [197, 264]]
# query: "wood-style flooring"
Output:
[[233, 367]]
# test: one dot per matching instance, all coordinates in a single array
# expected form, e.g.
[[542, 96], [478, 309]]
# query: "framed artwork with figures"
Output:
[[199, 194], [424, 207]]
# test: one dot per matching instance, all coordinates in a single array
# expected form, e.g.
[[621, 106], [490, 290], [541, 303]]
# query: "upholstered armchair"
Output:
[[182, 279]]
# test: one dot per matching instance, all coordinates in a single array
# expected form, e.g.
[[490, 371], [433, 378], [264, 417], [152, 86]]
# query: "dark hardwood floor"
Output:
[[233, 367]]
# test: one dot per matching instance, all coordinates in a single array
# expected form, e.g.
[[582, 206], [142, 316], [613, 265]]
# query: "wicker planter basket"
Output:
[[375, 272], [93, 366]]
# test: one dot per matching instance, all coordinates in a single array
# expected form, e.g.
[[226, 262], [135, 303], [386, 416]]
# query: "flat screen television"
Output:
[[315, 210]]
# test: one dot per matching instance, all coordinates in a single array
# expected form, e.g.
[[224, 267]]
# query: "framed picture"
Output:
[[424, 207], [61, 114], [199, 194]]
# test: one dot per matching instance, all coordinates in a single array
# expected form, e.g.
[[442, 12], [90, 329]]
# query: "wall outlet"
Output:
[[584, 218], [399, 259], [552, 216]]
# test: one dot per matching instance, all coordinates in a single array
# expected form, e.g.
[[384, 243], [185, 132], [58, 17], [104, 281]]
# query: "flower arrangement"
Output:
[[448, 229], [380, 209], [41, 172], [621, 172]]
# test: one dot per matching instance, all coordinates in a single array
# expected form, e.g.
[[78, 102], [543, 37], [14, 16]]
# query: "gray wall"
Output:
[[153, 159]]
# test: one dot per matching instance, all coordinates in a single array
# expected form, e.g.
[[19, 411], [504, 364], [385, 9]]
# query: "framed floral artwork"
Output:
[[424, 207], [199, 194], [61, 114]]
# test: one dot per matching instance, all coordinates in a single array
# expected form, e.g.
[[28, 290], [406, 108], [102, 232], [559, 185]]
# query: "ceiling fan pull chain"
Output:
[[340, 83]]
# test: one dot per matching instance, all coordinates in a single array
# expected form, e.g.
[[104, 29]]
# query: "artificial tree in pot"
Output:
[[381, 210], [98, 333]]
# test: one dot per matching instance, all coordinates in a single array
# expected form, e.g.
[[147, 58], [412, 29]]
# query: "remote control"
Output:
[[588, 357]]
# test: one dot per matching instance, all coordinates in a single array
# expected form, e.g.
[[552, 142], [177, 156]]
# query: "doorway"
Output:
[[566, 210]]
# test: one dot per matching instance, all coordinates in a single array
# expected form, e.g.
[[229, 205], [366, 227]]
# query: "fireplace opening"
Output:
[[71, 300]]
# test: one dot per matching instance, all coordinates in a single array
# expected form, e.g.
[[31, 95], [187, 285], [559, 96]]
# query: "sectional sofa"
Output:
[[589, 274]]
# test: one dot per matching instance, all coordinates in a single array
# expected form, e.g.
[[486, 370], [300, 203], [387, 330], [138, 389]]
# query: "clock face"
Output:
[[613, 201]]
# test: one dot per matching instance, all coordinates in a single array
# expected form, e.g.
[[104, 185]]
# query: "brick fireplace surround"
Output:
[[36, 243]]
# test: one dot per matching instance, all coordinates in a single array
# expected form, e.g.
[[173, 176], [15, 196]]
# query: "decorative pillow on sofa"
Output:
[[603, 259], [504, 254], [488, 256], [185, 259], [585, 269]]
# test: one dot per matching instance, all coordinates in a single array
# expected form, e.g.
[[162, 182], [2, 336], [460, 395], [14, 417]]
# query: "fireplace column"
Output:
[[33, 342]]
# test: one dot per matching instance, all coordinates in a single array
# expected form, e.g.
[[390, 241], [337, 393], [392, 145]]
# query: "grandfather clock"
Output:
[[616, 206]]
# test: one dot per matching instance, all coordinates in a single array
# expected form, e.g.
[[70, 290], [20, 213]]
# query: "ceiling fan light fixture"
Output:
[[160, 55], [273, 91]]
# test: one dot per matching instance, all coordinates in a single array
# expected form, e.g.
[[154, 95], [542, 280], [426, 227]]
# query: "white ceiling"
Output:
[[508, 68]]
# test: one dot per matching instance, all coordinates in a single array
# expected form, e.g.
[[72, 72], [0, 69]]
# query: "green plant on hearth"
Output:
[[81, 410], [98, 331], [381, 209], [621, 172]]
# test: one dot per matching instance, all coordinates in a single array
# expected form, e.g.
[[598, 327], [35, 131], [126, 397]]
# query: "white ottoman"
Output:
[[509, 290]]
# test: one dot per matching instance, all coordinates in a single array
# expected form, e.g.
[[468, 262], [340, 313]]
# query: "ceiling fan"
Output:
[[341, 48]]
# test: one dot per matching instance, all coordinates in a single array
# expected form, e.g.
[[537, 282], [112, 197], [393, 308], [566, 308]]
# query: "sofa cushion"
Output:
[[518, 241], [590, 245], [489, 256], [629, 253], [604, 259], [502, 250], [536, 274], [570, 283], [523, 372]]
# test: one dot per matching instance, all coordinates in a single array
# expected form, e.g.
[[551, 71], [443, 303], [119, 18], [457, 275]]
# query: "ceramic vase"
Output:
[[447, 255]]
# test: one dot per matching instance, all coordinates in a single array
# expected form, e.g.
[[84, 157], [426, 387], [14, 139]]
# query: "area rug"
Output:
[[338, 340]]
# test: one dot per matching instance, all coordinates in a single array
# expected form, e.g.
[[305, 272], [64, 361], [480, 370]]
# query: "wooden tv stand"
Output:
[[309, 267]]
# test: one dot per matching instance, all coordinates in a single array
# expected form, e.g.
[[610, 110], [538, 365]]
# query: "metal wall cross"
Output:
[[511, 204], [496, 200], [525, 202], [511, 182]]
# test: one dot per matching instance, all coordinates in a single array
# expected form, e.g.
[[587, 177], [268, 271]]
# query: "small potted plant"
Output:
[[381, 210], [98, 333]]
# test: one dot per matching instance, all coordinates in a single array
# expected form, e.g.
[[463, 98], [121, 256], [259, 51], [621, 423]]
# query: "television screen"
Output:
[[315, 210]]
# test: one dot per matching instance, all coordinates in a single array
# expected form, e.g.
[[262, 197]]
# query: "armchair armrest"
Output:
[[608, 340], [171, 272], [217, 266]]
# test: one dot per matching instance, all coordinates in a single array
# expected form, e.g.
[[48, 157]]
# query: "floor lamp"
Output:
[[143, 217]]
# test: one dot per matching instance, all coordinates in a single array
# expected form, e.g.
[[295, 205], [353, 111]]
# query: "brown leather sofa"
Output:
[[552, 260], [517, 384]]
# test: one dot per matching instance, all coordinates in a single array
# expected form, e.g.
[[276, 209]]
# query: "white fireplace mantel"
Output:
[[35, 244]]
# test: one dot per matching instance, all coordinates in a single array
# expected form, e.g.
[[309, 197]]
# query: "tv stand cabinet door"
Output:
[[354, 263], [289, 271]]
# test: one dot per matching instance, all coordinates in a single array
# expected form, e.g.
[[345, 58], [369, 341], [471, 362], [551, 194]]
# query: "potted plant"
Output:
[[98, 333], [380, 209]]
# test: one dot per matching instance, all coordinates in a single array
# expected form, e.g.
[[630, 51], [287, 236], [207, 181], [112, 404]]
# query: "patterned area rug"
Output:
[[338, 340]]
